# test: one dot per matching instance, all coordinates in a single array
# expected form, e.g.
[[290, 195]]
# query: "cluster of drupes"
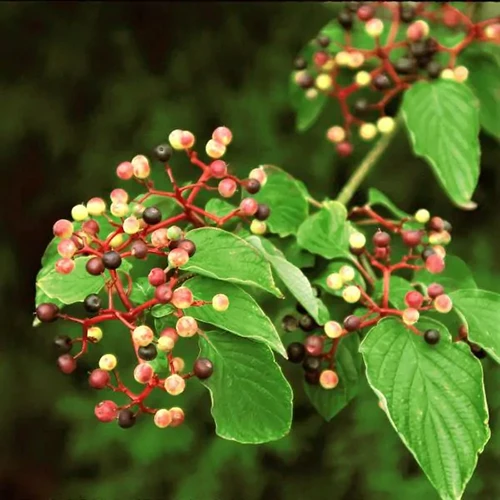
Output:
[[342, 71], [137, 233], [425, 237]]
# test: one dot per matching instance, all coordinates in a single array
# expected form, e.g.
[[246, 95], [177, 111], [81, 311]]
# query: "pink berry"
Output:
[[63, 228], [162, 418], [175, 385], [414, 299], [125, 171], [220, 302], [143, 373], [65, 266], [248, 206], [411, 238], [106, 411], [344, 148], [99, 379], [177, 415], [451, 18], [410, 316], [186, 326], [227, 187], [141, 166], [159, 238], [163, 293], [157, 277], [417, 30], [434, 290], [171, 333], [66, 363], [320, 58], [178, 257], [66, 248], [186, 139], [365, 13], [182, 297], [222, 135], [119, 196], [443, 303], [434, 264], [218, 168], [91, 227], [328, 379], [314, 345]]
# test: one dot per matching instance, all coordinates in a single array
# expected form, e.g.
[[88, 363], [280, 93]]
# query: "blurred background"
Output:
[[85, 86]]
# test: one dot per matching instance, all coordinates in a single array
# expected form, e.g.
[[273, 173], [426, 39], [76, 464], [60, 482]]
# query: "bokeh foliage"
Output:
[[85, 86]]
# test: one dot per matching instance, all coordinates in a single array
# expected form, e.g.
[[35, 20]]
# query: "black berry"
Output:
[[381, 239], [434, 69], [352, 323], [353, 6], [95, 266], [47, 312], [263, 212], [111, 260], [92, 303], [307, 324], [407, 13], [148, 352], [139, 249], [305, 80], [187, 245], [381, 82], [361, 106], [311, 364], [418, 49], [126, 418], [312, 378], [478, 351], [63, 343], [203, 368], [151, 215], [252, 186], [300, 63], [163, 152], [289, 323], [296, 352], [432, 336], [323, 41], [345, 19], [300, 308], [405, 65]]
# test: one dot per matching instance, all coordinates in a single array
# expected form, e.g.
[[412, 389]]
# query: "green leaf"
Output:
[[443, 123], [292, 277], [484, 80], [398, 288], [227, 257], [456, 275], [251, 399], [434, 397], [142, 291], [375, 197], [348, 367], [333, 267], [244, 317], [284, 197], [218, 207], [480, 310], [326, 232], [293, 252]]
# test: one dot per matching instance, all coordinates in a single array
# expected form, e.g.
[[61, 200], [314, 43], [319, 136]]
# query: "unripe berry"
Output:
[[328, 379], [411, 238], [106, 411], [347, 273], [66, 248], [64, 266], [248, 206], [432, 336], [222, 135], [461, 73], [159, 238], [439, 250], [227, 187], [344, 149], [143, 373], [116, 240], [178, 257], [165, 344], [175, 385], [170, 333], [423, 216], [162, 418], [186, 326], [131, 225], [111, 260], [311, 94], [363, 78], [142, 335], [90, 227], [178, 365], [342, 58], [258, 227], [381, 253], [323, 82], [410, 316], [365, 12], [434, 290], [203, 368], [182, 298], [215, 149], [335, 134], [99, 379], [434, 264], [174, 233], [163, 293], [357, 240], [119, 209], [187, 139], [156, 276], [63, 228], [356, 60], [374, 27], [108, 362], [314, 345], [333, 329], [417, 30], [79, 212], [334, 281], [177, 416], [148, 352], [125, 171], [175, 139], [351, 294], [139, 249], [492, 32], [381, 239], [94, 333], [218, 169], [79, 241], [448, 74], [258, 174], [47, 312], [252, 186], [140, 165], [96, 206], [303, 79], [443, 304], [367, 131], [296, 352], [66, 363], [119, 196], [220, 302], [386, 124], [352, 323]]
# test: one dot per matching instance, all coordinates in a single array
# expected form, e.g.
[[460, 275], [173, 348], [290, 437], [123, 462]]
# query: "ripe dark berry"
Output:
[[92, 303], [99, 379], [432, 46], [353, 6], [314, 345], [111, 260], [163, 152], [361, 106], [405, 65], [407, 13], [432, 336], [203, 368], [381, 239], [352, 323], [263, 212], [300, 63], [296, 352], [63, 343], [323, 41], [252, 186], [151, 216], [66, 363], [381, 82], [418, 49], [289, 323], [305, 80], [187, 245], [345, 19], [126, 418], [47, 312], [307, 324], [435, 290], [139, 249], [478, 351], [95, 266], [311, 364], [147, 353], [411, 238], [434, 69], [312, 378]]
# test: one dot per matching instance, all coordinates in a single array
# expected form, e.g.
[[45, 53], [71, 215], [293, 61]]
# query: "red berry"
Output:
[[90, 227], [436, 224], [320, 58], [344, 148], [365, 12], [163, 293], [381, 253], [434, 264], [381, 239], [411, 238], [106, 411], [95, 266], [218, 168], [47, 312], [434, 290], [156, 276], [414, 299], [248, 206], [66, 363], [203, 368], [99, 379], [314, 345], [125, 171]]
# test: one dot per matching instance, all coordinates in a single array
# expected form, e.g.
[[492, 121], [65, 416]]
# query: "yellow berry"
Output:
[[329, 65], [440, 250], [96, 206], [357, 240], [108, 362], [386, 124], [119, 196], [342, 58], [258, 227], [351, 294], [178, 364], [215, 149], [166, 344], [162, 418], [258, 174], [422, 215], [79, 212], [186, 326], [410, 316], [117, 240], [333, 329], [461, 73], [140, 165], [335, 134], [175, 385], [328, 379], [334, 281], [374, 27], [443, 303], [448, 74], [119, 209], [311, 94], [187, 139], [94, 333], [143, 335], [131, 225], [324, 82], [363, 78], [356, 59], [220, 302], [347, 273], [175, 139], [367, 131]]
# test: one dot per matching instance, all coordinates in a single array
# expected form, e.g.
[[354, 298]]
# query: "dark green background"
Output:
[[85, 86]]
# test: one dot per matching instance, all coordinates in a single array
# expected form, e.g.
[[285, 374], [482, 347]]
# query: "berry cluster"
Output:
[[403, 54], [138, 232], [425, 237]]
